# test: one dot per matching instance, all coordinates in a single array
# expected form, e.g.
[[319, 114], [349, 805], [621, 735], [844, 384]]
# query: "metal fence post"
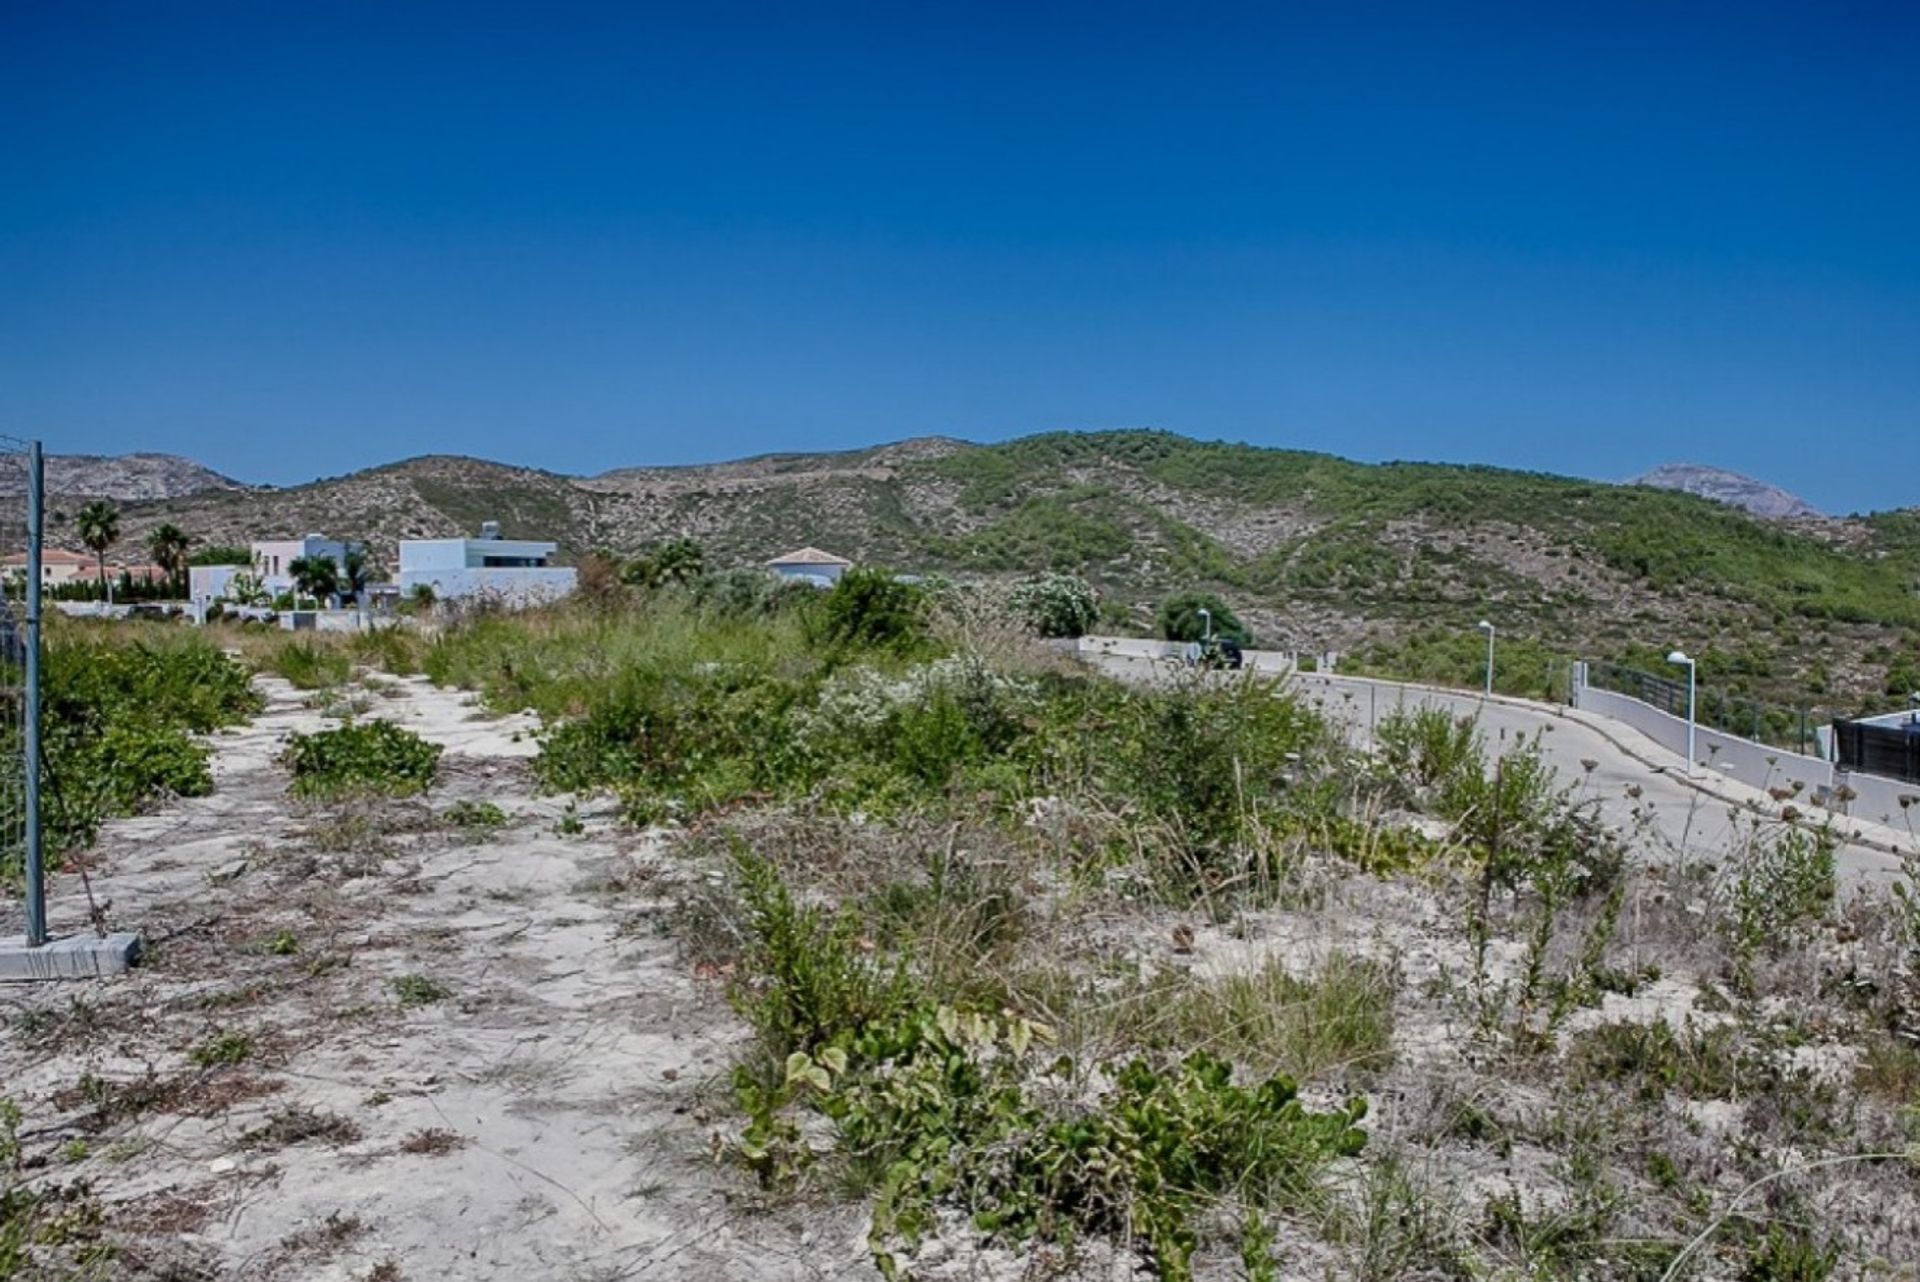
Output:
[[36, 881]]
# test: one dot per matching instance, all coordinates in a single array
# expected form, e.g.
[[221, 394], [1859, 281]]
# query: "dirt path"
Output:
[[372, 1042]]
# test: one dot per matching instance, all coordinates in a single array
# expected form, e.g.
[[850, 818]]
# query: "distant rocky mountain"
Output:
[[1757, 497], [126, 478]]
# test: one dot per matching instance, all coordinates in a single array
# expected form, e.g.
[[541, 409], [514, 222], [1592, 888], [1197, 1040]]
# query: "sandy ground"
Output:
[[541, 1114], [479, 1053]]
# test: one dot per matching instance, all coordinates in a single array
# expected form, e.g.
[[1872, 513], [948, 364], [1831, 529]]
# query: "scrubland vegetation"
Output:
[[121, 711], [1047, 972], [1041, 961]]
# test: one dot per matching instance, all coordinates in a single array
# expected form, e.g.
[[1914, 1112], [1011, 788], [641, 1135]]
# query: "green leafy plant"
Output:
[[365, 757], [220, 1050], [418, 990], [475, 816], [870, 608], [310, 664]]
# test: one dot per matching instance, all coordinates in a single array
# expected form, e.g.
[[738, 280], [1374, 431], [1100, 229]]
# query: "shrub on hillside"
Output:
[[1181, 620], [871, 609], [1055, 605]]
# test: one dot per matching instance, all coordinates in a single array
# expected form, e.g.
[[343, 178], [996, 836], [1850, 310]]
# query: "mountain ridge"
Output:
[[1761, 498], [1322, 552]]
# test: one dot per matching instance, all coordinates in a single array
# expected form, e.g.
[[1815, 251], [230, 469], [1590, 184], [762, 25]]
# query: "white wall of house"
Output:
[[822, 573], [210, 582], [474, 554], [513, 586], [273, 558], [508, 572]]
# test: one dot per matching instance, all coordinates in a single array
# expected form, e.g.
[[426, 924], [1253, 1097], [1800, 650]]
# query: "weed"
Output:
[[310, 665], [281, 943], [1784, 885], [475, 816], [806, 981], [220, 1050], [417, 990], [370, 757], [433, 1142], [288, 1126], [120, 707], [1337, 1022]]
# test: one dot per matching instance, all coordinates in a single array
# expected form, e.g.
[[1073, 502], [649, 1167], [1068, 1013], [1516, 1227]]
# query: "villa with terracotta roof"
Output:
[[810, 565], [59, 567]]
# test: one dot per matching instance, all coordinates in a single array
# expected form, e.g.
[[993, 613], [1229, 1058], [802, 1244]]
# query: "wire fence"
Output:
[[1778, 725], [20, 521]]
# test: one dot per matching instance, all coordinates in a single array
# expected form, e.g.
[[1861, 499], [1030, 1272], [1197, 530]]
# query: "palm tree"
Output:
[[168, 546], [679, 561], [99, 525], [354, 573], [316, 576]]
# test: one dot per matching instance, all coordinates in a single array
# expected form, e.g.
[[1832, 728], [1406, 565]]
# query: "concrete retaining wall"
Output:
[[1148, 648], [1754, 764], [1875, 799]]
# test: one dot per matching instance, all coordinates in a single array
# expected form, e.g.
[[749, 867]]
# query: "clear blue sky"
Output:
[[293, 240]]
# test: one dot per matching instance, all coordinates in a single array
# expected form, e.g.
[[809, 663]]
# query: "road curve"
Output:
[[1640, 787]]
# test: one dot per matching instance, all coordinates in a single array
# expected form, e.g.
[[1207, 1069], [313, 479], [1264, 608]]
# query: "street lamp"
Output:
[[1680, 657], [1206, 623], [1487, 628]]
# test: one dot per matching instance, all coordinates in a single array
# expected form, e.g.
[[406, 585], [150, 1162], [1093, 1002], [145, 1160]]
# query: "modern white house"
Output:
[[273, 558], [211, 582], [510, 572], [811, 565]]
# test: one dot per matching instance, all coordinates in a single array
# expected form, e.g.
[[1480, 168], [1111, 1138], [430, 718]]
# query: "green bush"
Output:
[[310, 665], [871, 609], [937, 1106], [1427, 748], [1055, 605], [120, 707], [1181, 620], [805, 982], [367, 757]]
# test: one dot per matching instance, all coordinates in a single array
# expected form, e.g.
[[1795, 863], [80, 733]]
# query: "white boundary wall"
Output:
[[1147, 648], [1757, 764]]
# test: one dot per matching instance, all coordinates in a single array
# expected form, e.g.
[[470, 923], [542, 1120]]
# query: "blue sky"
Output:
[[296, 240]]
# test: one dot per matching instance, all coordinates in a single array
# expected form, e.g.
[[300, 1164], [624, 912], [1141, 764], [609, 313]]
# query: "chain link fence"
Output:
[[1777, 725]]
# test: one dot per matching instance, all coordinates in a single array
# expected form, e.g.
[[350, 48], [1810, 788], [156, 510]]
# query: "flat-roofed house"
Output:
[[512, 572]]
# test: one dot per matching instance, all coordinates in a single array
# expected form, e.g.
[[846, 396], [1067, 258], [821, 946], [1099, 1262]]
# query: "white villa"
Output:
[[272, 565], [811, 565], [514, 572]]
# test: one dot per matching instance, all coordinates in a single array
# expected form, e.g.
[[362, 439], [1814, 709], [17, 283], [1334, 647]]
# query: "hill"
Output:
[[121, 477], [1757, 497], [1320, 552]]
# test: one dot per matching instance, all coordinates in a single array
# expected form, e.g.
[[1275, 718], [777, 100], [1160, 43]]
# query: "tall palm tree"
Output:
[[316, 576], [99, 526], [354, 573], [679, 561], [168, 546]]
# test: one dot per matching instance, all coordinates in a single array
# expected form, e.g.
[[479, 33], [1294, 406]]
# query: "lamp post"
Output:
[[1487, 628], [1680, 657], [1206, 623]]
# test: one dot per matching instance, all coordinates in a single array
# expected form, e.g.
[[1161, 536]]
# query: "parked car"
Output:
[[1215, 652]]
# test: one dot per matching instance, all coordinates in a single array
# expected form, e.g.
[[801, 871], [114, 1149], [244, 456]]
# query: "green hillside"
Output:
[[1318, 552]]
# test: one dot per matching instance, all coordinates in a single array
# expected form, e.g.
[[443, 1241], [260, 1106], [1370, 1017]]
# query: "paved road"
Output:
[[1703, 819]]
